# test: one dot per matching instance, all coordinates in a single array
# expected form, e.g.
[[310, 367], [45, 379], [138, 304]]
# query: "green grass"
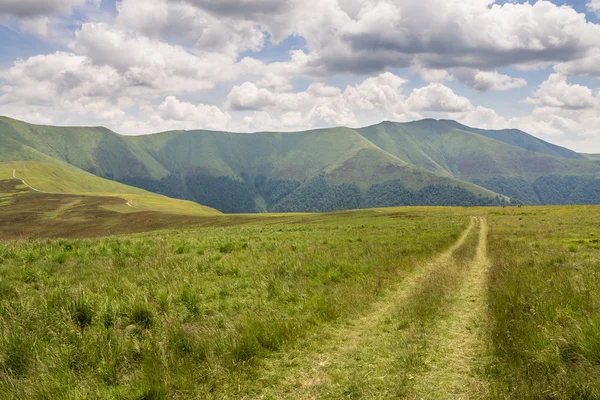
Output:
[[544, 289], [189, 313], [341, 305], [449, 149], [62, 178], [344, 155]]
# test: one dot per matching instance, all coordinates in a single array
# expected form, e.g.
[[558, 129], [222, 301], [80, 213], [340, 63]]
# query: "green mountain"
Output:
[[444, 149], [521, 139], [426, 162]]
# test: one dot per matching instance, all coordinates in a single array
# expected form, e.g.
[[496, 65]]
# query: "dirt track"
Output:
[[359, 358]]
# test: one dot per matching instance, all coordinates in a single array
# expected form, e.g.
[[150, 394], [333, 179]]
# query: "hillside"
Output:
[[443, 148], [60, 178], [520, 139], [426, 162], [509, 162], [240, 173]]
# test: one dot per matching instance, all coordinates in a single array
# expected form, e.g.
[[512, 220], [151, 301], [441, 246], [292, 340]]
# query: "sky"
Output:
[[144, 66]]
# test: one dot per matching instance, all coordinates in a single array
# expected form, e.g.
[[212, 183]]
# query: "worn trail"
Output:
[[349, 360], [41, 191], [456, 355]]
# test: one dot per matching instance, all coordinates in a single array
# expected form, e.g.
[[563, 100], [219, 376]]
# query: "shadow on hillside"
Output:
[[25, 214]]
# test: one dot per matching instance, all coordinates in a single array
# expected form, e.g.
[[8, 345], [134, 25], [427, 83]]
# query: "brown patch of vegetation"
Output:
[[28, 216]]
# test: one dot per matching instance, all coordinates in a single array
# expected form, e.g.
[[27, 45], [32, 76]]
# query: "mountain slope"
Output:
[[520, 139], [422, 162], [60, 178], [94, 149], [442, 148], [285, 160]]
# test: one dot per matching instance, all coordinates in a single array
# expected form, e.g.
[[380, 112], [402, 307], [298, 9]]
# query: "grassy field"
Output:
[[194, 313], [544, 291], [417, 303], [60, 178]]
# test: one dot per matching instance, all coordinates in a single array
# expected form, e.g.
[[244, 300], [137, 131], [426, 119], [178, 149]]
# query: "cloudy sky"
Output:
[[141, 66]]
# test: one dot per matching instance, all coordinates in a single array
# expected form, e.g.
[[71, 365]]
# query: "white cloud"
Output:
[[62, 84], [190, 116], [565, 114], [487, 80], [481, 117], [594, 6], [34, 15], [150, 63], [250, 97], [35, 8], [366, 37], [556, 92], [586, 66], [200, 29], [374, 99], [439, 98], [37, 25]]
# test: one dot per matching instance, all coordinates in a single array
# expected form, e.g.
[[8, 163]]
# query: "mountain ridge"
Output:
[[427, 158]]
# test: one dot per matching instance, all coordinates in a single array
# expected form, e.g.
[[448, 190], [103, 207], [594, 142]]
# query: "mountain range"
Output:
[[427, 162]]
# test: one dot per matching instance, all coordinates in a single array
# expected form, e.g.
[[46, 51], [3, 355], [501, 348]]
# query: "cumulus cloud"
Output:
[[469, 33], [586, 66], [370, 101], [61, 83], [439, 98], [594, 6], [368, 37], [193, 116], [556, 92], [182, 21], [567, 114], [69, 88], [487, 80], [34, 15], [35, 8], [250, 97], [145, 62]]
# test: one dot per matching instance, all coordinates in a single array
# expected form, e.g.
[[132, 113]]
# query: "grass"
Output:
[[194, 313], [363, 304], [61, 178], [543, 294]]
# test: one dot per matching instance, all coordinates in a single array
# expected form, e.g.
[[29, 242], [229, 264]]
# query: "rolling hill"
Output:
[[426, 162]]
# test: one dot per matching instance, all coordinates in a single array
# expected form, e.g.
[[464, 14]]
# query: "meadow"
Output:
[[386, 303]]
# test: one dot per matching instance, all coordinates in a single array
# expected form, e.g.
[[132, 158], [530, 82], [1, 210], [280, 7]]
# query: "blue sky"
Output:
[[142, 66]]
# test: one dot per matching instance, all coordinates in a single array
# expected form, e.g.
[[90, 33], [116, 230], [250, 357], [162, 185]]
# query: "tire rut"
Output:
[[456, 355], [341, 343]]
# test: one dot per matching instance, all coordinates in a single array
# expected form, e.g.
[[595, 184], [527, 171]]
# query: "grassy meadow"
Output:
[[410, 303], [182, 314], [544, 302]]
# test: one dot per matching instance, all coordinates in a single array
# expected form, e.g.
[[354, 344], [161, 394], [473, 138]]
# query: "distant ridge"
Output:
[[427, 162]]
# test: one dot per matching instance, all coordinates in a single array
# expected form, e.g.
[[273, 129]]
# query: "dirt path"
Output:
[[359, 346], [128, 201], [457, 352], [27, 184]]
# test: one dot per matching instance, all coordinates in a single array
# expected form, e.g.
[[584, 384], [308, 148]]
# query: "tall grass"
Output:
[[544, 303], [190, 314]]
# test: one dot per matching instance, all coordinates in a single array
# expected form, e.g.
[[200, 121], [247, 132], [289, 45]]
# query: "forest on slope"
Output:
[[426, 162]]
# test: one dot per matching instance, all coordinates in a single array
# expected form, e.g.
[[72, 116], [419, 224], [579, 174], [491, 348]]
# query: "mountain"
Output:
[[475, 155], [520, 139], [59, 178], [426, 162]]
